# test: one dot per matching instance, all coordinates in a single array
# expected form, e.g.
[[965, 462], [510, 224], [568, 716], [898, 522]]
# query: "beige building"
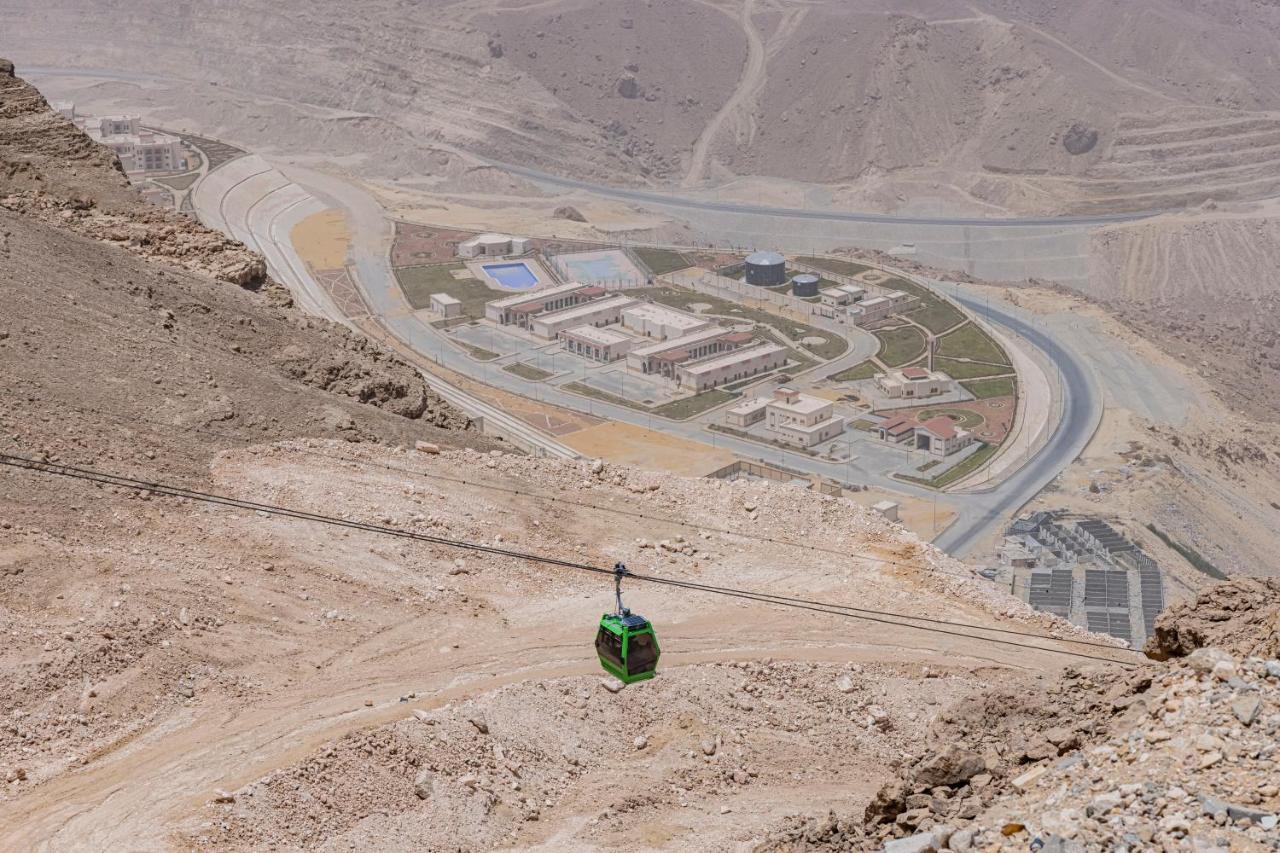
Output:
[[597, 312], [800, 420], [870, 310], [914, 383], [939, 436], [493, 246], [746, 413], [597, 344], [663, 357], [845, 294], [520, 309], [730, 367], [659, 321], [446, 305]]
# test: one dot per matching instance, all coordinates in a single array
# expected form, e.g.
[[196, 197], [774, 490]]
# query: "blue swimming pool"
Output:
[[514, 276]]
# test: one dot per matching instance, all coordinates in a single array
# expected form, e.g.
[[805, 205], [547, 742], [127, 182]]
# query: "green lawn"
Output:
[[900, 346], [963, 418], [951, 475], [477, 352], [689, 407], [865, 370], [662, 261], [418, 283], [527, 371], [984, 389], [930, 310], [835, 265], [969, 341], [796, 360], [968, 369], [587, 391]]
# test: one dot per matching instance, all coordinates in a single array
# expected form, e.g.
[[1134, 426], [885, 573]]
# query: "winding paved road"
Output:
[[978, 512]]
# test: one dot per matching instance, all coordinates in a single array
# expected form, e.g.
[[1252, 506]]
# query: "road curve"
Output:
[[672, 199], [1081, 412]]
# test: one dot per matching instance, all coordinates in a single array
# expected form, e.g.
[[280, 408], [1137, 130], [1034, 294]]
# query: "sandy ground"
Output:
[[322, 239], [925, 518], [654, 451], [271, 644]]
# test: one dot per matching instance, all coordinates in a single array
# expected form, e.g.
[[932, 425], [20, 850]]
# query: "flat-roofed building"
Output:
[[659, 321], [446, 305], [598, 312], [519, 309], [662, 357], [597, 344], [870, 310], [841, 295], [492, 246], [747, 412], [801, 420], [914, 383], [730, 367]]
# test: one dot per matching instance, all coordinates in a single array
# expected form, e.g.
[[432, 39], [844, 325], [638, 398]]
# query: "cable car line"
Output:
[[105, 478], [428, 475]]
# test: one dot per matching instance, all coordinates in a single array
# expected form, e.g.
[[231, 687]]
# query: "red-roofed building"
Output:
[[941, 437], [897, 429]]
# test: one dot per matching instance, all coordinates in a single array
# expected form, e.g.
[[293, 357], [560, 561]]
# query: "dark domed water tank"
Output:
[[804, 285], [766, 269]]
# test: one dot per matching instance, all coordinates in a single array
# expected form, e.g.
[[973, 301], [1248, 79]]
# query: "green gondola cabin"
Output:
[[627, 646]]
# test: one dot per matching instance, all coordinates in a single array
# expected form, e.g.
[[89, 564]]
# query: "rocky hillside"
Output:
[[1178, 756], [51, 172], [1025, 104], [125, 336]]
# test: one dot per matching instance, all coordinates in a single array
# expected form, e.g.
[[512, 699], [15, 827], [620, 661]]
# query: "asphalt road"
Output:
[[1081, 412], [978, 513], [676, 199]]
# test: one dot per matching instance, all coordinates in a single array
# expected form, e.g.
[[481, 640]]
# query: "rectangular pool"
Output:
[[513, 276]]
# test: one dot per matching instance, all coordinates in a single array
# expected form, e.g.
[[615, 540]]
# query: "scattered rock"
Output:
[[640, 742], [569, 212], [951, 766], [1246, 709], [423, 784]]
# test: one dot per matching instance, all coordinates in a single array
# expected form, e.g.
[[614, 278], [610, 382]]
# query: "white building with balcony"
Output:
[[800, 420]]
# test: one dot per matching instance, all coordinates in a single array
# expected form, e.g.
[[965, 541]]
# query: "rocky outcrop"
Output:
[[570, 213], [1241, 616], [51, 172]]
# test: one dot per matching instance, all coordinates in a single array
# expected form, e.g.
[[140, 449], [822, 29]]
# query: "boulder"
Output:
[[569, 212], [951, 766]]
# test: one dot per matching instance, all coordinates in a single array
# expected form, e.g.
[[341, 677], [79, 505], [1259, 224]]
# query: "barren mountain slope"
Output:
[[1030, 105], [110, 346]]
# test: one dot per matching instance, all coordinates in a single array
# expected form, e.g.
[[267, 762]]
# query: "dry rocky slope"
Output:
[[1178, 757], [123, 323], [1027, 104]]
